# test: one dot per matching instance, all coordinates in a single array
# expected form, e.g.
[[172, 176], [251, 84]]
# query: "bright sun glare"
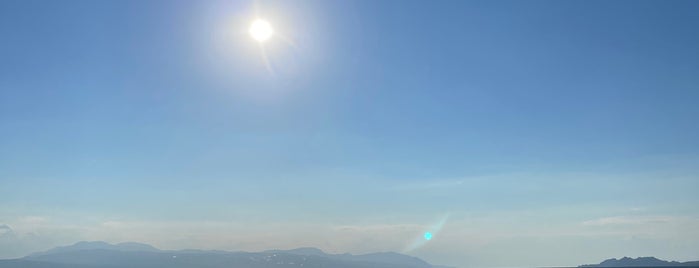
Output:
[[261, 30]]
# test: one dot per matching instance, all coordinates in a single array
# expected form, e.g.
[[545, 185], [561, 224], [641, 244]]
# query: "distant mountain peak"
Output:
[[99, 245], [88, 244], [640, 262], [307, 251]]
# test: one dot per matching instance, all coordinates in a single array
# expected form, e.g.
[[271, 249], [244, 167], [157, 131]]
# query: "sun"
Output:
[[261, 30]]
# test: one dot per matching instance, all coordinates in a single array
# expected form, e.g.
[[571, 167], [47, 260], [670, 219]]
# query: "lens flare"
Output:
[[428, 235]]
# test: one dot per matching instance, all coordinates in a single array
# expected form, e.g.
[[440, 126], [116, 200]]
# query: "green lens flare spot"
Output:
[[428, 235]]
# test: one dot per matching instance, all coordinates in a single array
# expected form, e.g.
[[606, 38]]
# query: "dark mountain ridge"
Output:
[[641, 262]]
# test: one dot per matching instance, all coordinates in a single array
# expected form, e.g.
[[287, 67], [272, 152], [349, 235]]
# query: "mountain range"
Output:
[[99, 254], [136, 255], [641, 262]]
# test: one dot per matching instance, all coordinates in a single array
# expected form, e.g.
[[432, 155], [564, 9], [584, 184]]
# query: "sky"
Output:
[[520, 134]]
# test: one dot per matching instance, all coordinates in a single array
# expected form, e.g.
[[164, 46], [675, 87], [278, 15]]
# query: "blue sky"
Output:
[[544, 132]]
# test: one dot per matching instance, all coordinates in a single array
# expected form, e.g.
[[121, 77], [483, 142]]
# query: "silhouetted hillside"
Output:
[[642, 262]]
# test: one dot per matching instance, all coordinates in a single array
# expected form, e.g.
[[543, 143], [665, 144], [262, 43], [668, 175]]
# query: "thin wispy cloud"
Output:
[[632, 220]]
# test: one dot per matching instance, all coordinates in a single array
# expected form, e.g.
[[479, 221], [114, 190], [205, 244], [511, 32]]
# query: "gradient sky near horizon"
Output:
[[519, 133]]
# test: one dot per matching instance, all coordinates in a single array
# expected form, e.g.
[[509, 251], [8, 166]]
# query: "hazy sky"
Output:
[[539, 133]]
